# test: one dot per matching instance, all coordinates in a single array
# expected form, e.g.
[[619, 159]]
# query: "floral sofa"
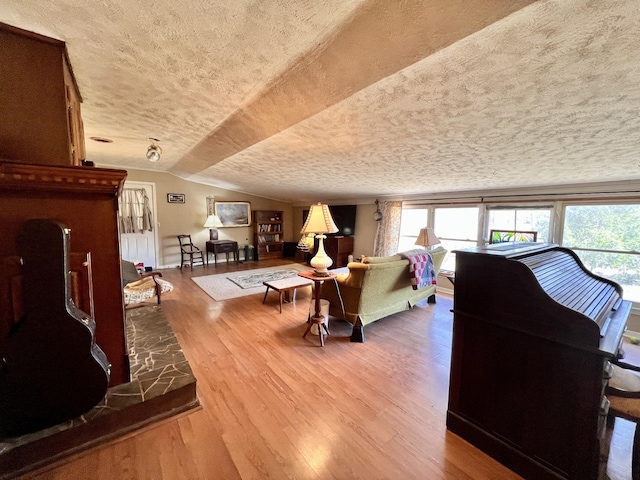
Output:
[[376, 288]]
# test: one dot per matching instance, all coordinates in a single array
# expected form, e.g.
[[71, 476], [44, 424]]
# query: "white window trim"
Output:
[[556, 219]]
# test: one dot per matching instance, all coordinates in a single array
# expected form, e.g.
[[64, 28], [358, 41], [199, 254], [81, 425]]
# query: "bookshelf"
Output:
[[268, 236]]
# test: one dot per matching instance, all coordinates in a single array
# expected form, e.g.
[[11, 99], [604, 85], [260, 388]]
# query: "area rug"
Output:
[[253, 280], [247, 282]]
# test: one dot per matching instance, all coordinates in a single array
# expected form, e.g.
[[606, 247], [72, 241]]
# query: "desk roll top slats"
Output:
[[592, 296], [533, 334]]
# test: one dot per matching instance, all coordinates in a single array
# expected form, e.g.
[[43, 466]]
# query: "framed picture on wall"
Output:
[[234, 214], [175, 197]]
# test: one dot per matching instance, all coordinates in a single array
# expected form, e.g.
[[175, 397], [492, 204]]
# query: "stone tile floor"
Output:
[[162, 384]]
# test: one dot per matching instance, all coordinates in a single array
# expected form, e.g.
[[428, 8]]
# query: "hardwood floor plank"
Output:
[[276, 405]]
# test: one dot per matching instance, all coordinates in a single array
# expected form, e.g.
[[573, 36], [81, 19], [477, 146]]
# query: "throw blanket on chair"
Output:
[[421, 269]]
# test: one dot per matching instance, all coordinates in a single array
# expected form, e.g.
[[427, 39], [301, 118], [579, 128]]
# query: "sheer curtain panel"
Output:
[[134, 212], [388, 233]]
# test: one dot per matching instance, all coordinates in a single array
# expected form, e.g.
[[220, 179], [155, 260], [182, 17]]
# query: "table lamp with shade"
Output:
[[213, 223], [319, 222], [302, 244], [427, 238]]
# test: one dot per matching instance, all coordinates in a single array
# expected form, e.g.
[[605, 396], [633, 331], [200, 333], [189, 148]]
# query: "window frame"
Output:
[[428, 220], [577, 248], [517, 207], [450, 256], [557, 216]]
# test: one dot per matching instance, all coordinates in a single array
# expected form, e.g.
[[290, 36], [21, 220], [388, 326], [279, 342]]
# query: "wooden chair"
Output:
[[189, 252], [623, 392]]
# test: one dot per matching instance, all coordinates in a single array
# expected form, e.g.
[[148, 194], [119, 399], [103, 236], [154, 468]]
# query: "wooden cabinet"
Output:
[[86, 201], [74, 118], [338, 248], [39, 101], [268, 233]]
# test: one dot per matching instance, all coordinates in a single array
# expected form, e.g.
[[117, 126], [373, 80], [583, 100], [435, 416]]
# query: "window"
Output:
[[413, 219], [607, 240], [456, 227], [537, 219], [605, 236]]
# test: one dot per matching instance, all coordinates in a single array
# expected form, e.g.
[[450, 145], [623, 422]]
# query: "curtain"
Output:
[[388, 232], [134, 212]]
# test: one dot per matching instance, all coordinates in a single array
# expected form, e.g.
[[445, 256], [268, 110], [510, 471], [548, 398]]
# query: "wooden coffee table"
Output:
[[284, 288]]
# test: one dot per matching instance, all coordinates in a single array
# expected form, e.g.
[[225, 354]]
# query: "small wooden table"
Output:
[[222, 246], [449, 275], [284, 287], [318, 318]]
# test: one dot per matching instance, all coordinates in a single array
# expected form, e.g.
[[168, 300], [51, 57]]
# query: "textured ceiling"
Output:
[[332, 99]]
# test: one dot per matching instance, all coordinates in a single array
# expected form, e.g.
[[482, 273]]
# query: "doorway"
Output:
[[141, 246]]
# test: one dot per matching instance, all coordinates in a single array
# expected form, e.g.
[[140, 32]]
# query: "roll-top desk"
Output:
[[533, 334]]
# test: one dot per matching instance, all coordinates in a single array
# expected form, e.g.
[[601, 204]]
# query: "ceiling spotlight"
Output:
[[154, 151]]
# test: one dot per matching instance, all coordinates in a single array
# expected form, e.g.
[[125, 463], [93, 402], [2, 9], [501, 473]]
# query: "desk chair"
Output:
[[623, 392], [189, 252]]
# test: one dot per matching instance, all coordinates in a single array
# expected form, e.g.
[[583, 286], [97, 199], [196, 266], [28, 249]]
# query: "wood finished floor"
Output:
[[275, 405]]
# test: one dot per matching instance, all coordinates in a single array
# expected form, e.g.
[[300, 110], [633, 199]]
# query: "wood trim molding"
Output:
[[72, 179]]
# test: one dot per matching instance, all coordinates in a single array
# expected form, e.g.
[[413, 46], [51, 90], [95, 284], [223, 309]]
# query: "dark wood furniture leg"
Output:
[[318, 318], [321, 326], [265, 294], [357, 334]]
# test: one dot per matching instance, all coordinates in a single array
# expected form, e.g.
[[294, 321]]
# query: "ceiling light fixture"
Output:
[[154, 151]]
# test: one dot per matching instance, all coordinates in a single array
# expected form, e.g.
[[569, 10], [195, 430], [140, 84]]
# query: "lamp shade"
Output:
[[212, 222], [427, 237], [319, 220]]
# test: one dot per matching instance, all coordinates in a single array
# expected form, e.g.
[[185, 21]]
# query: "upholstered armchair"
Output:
[[138, 287], [376, 288]]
